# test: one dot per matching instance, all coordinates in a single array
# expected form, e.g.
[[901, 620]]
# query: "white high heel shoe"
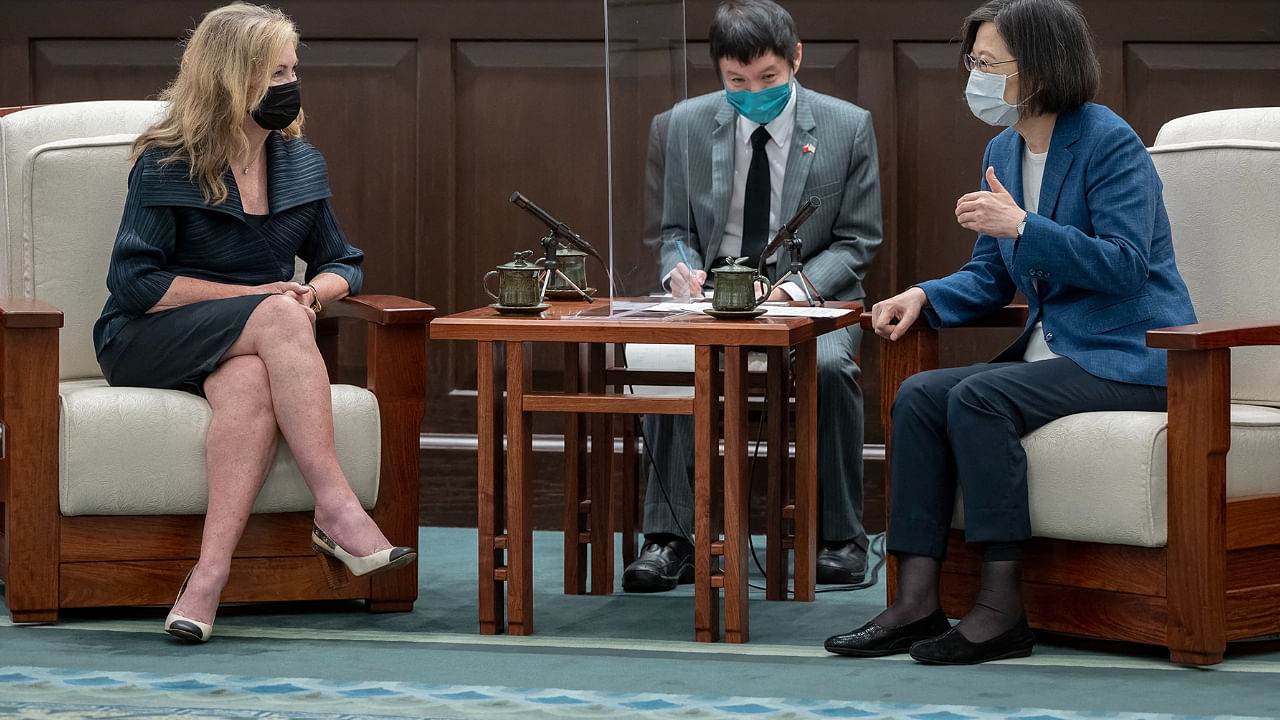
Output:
[[334, 557], [184, 628]]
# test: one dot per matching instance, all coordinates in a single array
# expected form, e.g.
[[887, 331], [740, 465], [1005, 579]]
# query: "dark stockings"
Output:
[[917, 591], [999, 603]]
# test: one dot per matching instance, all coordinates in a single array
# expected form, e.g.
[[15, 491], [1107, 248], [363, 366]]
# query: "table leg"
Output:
[[776, 402], [706, 598], [601, 473], [627, 489], [491, 485], [575, 479], [519, 493], [736, 490], [806, 513], [628, 476]]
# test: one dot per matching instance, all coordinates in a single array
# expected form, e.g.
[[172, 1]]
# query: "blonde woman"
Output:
[[224, 193]]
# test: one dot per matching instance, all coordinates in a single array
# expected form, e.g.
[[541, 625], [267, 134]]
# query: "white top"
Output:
[[1032, 179]]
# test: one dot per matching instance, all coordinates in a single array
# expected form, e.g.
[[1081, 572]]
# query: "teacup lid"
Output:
[[519, 262], [735, 265]]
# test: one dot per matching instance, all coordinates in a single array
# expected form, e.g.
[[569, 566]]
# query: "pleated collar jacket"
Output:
[[168, 230]]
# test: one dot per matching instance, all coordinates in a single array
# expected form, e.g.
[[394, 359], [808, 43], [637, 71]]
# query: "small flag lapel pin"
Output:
[[808, 148]]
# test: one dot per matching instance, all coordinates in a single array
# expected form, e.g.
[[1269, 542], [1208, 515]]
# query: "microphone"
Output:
[[788, 231], [558, 228]]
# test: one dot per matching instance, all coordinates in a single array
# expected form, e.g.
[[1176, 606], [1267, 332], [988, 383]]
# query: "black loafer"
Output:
[[872, 640], [955, 649], [841, 563], [660, 567]]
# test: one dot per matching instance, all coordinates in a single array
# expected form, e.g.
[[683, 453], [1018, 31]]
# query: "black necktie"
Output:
[[755, 201]]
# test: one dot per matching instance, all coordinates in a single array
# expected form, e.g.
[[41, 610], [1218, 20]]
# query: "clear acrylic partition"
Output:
[[645, 76]]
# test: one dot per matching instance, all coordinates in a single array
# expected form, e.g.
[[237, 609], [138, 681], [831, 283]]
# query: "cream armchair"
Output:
[[103, 489], [1146, 528]]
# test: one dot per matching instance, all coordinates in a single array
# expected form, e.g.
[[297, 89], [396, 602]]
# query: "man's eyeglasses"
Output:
[[971, 62]]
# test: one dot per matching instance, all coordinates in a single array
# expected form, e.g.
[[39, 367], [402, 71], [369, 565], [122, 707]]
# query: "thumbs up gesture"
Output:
[[991, 212]]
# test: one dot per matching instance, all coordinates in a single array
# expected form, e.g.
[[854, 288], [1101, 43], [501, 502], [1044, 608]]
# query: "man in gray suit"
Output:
[[738, 164]]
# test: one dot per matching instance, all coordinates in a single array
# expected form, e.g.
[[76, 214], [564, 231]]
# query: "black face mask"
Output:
[[279, 107]]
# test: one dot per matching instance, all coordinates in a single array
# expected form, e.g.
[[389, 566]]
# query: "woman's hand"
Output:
[[297, 291], [990, 213], [893, 317]]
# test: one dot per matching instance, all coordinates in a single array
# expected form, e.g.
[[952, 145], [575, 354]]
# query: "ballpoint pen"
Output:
[[685, 256]]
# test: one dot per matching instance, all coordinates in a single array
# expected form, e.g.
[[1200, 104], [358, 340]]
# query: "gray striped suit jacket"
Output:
[[840, 166]]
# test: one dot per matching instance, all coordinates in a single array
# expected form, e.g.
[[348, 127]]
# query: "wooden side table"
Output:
[[504, 486]]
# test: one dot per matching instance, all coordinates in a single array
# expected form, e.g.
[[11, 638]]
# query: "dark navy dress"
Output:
[[168, 230]]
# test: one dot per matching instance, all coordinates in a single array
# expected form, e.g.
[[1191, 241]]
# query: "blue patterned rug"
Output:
[[34, 692]]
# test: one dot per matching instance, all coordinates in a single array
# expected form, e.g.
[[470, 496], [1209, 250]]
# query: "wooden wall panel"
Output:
[[361, 98], [431, 112], [939, 158], [1163, 81], [522, 124], [68, 70]]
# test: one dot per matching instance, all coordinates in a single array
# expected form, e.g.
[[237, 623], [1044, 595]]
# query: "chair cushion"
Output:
[[1255, 123], [115, 474], [1224, 232], [22, 132], [74, 186], [675, 358], [1101, 477]]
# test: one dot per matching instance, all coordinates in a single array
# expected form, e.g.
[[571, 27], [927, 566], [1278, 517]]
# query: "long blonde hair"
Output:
[[226, 69]]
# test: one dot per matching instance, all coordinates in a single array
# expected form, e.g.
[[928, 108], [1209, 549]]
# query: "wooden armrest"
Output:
[[381, 310], [1007, 316], [22, 313], [1209, 336]]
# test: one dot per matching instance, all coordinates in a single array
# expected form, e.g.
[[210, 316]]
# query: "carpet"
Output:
[[33, 692], [617, 656]]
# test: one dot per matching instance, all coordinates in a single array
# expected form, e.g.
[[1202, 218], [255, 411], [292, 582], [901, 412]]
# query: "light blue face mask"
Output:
[[985, 93], [761, 106]]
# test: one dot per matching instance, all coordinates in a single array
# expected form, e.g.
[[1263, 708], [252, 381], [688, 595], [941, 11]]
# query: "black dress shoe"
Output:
[[955, 649], [841, 563], [872, 640], [660, 567]]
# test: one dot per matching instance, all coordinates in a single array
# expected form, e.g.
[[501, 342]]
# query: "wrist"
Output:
[[315, 297]]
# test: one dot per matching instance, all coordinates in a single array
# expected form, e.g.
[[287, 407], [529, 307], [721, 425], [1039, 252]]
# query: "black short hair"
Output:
[[1058, 68], [748, 29]]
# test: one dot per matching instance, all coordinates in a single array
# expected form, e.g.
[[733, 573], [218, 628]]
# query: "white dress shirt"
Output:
[[778, 148]]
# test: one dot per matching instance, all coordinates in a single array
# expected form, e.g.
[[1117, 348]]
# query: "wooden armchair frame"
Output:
[[49, 561], [1217, 579]]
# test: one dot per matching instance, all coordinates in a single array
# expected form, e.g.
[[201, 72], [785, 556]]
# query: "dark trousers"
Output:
[[668, 502], [962, 428]]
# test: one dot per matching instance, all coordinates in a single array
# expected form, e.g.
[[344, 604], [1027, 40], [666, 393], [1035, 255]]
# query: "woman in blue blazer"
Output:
[[222, 197], [1069, 213]]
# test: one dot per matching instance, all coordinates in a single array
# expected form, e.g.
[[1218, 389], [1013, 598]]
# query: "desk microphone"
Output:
[[788, 231], [558, 228]]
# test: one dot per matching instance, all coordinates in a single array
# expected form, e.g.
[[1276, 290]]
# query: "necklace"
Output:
[[253, 160]]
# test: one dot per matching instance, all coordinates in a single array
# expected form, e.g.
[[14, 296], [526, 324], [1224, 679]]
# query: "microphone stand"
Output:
[[550, 246], [811, 294], [786, 237], [559, 231]]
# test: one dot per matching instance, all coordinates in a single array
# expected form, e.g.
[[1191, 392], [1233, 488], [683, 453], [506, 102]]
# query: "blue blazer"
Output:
[[168, 230], [1099, 251]]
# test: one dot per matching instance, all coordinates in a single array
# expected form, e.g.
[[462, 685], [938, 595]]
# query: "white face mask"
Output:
[[985, 93]]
